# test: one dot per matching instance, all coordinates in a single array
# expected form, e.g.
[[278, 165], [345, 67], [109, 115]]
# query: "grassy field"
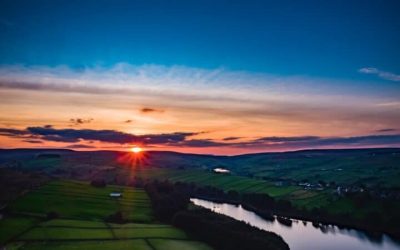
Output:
[[77, 200], [256, 173], [82, 210], [10, 227], [297, 195]]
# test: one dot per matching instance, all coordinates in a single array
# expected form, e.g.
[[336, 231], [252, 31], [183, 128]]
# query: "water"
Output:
[[304, 236]]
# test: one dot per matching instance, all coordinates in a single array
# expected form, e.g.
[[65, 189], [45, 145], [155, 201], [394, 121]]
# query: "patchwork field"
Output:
[[80, 224], [297, 195]]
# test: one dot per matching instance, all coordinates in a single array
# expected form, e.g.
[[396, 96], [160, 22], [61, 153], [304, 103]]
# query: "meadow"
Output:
[[81, 210], [297, 195]]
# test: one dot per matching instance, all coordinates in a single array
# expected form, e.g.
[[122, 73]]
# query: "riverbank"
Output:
[[303, 235], [266, 207]]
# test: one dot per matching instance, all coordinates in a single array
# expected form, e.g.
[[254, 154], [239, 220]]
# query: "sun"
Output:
[[136, 149]]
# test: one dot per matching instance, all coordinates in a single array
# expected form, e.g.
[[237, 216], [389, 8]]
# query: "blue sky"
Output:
[[267, 75], [318, 38]]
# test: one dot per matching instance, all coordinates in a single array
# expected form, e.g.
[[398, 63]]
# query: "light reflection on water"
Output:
[[303, 235]]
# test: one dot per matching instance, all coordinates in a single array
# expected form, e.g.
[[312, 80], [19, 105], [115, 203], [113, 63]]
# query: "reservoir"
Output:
[[303, 235]]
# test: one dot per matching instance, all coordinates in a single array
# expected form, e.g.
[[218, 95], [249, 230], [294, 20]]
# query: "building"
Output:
[[115, 195]]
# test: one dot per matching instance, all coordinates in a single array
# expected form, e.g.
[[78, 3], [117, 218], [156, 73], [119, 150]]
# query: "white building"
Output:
[[115, 195]]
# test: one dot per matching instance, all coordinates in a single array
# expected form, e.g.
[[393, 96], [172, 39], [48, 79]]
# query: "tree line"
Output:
[[171, 205]]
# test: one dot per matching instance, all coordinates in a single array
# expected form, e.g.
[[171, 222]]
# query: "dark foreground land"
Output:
[[352, 188]]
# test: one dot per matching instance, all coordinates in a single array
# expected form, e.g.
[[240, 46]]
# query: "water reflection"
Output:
[[302, 236]]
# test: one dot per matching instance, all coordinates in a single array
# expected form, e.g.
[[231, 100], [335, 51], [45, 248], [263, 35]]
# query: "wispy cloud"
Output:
[[380, 73], [80, 146], [385, 130], [176, 82], [151, 110], [231, 138]]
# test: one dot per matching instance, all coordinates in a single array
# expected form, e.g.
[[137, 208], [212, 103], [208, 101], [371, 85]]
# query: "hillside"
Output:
[[369, 167]]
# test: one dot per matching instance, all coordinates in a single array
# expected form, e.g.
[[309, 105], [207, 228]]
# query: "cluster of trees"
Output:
[[14, 183], [170, 203], [225, 233], [167, 199]]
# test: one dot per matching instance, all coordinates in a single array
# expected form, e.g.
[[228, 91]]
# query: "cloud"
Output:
[[151, 110], [12, 132], [177, 83], [277, 139], [56, 138], [386, 130], [231, 138], [199, 143], [315, 141], [107, 136], [79, 146], [33, 141], [128, 121], [382, 74], [79, 121]]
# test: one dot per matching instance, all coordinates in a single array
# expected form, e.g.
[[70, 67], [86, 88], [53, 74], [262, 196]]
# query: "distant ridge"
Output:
[[166, 152]]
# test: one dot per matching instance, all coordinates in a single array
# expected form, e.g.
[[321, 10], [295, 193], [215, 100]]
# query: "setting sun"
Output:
[[136, 150]]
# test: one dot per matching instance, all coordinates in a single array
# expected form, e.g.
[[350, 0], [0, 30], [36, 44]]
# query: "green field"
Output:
[[254, 173], [297, 195], [10, 227], [77, 200], [82, 210]]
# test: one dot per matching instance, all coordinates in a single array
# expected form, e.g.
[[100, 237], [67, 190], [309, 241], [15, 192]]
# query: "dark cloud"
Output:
[[386, 130], [111, 136], [128, 121], [151, 110], [278, 139], [58, 138], [74, 135], [200, 143], [315, 141], [79, 146], [12, 132], [79, 121], [34, 141], [232, 138]]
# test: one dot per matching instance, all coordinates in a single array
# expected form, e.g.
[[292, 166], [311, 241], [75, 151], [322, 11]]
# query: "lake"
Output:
[[303, 235]]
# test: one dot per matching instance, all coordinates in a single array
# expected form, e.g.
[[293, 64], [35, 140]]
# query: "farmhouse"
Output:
[[221, 171], [115, 195]]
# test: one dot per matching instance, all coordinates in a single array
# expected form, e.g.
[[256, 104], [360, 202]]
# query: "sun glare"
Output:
[[136, 150]]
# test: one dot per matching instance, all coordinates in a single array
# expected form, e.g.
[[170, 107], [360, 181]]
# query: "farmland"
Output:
[[275, 174], [80, 211], [242, 184]]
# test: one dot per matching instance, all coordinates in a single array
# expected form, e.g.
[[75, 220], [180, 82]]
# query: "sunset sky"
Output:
[[217, 77]]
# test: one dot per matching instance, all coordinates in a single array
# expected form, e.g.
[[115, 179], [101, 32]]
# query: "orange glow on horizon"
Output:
[[136, 149]]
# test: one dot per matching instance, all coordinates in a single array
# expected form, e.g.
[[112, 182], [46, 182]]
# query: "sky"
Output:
[[215, 77]]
